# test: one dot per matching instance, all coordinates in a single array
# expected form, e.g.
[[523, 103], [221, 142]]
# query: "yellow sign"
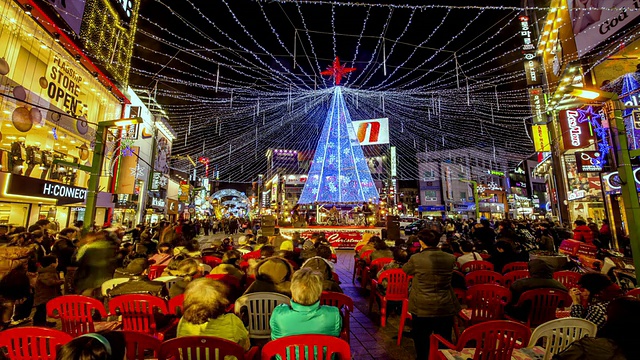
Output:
[[541, 138], [64, 87]]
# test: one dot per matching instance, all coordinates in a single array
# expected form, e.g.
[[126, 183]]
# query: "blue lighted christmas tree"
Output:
[[339, 172]]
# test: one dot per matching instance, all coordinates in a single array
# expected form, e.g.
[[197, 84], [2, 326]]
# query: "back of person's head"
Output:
[[187, 268], [580, 222], [324, 252], [107, 345], [400, 255], [540, 269], [306, 286], [600, 286], [47, 260], [466, 246], [204, 299], [34, 228], [231, 257], [380, 245], [623, 317], [485, 223], [262, 240], [374, 239], [505, 246], [429, 237], [267, 251]]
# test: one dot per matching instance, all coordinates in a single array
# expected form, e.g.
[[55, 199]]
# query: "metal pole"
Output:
[[628, 187], [94, 178]]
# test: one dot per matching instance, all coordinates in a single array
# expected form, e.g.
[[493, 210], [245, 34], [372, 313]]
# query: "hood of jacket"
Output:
[[275, 270], [540, 269]]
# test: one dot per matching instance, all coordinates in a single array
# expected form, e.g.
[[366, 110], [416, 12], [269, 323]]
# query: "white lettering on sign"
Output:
[[64, 191], [574, 128], [576, 194], [158, 202]]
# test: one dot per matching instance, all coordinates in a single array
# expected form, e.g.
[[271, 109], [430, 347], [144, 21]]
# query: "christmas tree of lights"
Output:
[[339, 173]]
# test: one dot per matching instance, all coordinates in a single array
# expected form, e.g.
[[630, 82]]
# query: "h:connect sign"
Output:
[[59, 190]]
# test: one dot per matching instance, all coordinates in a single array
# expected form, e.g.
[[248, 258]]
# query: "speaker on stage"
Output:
[[393, 227], [268, 225]]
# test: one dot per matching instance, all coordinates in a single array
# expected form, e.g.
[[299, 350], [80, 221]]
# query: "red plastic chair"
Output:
[[484, 256], [483, 277], [375, 266], [31, 342], [404, 315], [306, 346], [201, 346], [567, 278], [176, 305], [335, 277], [516, 265], [138, 313], [212, 261], [397, 290], [476, 265], [511, 276], [485, 302], [634, 292], [75, 313], [542, 304], [138, 343], [156, 271], [494, 340], [357, 267], [345, 304]]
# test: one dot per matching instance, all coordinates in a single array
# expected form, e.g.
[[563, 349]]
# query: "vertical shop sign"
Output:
[[128, 169], [531, 61], [536, 101], [394, 162], [575, 134], [541, 138]]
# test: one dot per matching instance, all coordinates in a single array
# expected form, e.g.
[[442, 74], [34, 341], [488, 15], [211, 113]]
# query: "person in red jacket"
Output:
[[582, 232]]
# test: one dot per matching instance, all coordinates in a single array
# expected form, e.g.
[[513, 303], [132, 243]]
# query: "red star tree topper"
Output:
[[337, 71]]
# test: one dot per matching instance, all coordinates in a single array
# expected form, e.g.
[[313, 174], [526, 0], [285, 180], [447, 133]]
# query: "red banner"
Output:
[[339, 238]]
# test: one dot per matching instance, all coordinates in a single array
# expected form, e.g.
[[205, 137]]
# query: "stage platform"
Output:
[[340, 237]]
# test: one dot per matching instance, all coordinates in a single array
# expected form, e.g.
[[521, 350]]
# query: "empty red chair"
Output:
[[306, 347], [634, 292], [345, 304], [483, 277], [176, 305], [76, 313], [404, 315], [358, 267], [199, 346], [212, 261], [516, 265], [511, 276], [476, 265], [485, 302], [31, 342], [542, 304], [493, 340], [156, 271], [567, 278], [138, 345], [138, 313], [397, 290], [374, 267]]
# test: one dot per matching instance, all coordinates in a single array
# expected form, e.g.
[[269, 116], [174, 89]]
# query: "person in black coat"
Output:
[[64, 248], [484, 236]]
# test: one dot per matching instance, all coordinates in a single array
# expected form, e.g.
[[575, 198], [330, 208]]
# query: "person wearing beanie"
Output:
[[592, 296]]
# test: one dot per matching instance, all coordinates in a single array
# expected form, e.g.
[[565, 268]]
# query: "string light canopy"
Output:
[[237, 78]]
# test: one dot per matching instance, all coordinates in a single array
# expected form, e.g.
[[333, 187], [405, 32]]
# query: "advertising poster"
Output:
[[372, 132]]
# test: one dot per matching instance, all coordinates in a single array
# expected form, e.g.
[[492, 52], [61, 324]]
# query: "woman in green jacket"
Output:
[[305, 315]]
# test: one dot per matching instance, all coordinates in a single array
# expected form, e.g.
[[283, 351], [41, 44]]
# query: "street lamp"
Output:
[[96, 165], [625, 170]]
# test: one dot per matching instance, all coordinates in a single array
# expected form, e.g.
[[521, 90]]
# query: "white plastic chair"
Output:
[[110, 284], [258, 307], [558, 334], [167, 280]]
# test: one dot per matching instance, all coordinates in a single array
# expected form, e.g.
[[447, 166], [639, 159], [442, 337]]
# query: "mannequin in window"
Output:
[[18, 155], [55, 173], [47, 160], [34, 158]]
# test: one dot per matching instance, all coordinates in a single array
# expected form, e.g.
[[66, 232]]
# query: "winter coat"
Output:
[[272, 275], [431, 293], [140, 285], [228, 269], [379, 254], [96, 264], [63, 249], [540, 276], [47, 285], [178, 287], [583, 233], [485, 238], [590, 348], [297, 319]]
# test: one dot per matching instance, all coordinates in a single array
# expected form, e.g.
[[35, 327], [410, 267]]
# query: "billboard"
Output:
[[162, 155], [537, 103], [593, 26], [284, 159], [588, 161], [576, 130], [372, 132], [541, 138]]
